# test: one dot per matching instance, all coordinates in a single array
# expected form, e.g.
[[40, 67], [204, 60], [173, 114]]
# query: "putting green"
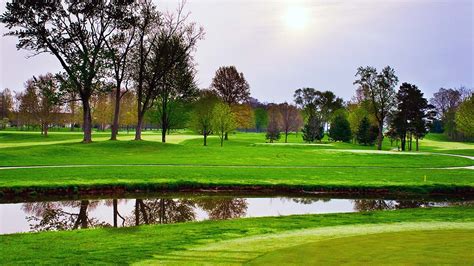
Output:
[[409, 247], [296, 246]]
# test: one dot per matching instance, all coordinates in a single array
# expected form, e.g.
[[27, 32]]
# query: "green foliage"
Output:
[[411, 114], [313, 129], [357, 112], [201, 117], [379, 89], [223, 120], [340, 128], [261, 119], [365, 133], [465, 117]]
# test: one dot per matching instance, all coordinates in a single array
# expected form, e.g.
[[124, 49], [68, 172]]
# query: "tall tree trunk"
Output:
[[87, 121], [403, 141], [164, 122], [286, 136], [226, 136], [82, 216], [115, 124], [115, 212], [73, 111], [142, 209], [380, 136], [410, 144], [222, 139], [205, 139], [45, 129], [163, 133], [137, 213], [138, 129], [417, 147]]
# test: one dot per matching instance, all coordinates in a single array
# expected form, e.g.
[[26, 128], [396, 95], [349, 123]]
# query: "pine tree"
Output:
[[313, 129], [363, 133], [340, 129]]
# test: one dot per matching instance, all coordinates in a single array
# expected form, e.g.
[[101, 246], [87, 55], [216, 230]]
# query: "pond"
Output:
[[161, 209]]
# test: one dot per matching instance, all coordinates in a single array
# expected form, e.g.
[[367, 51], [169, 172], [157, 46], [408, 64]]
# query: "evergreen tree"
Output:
[[363, 133], [313, 129], [410, 117], [340, 128]]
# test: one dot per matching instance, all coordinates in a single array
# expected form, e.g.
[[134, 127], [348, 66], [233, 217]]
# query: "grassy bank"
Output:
[[245, 160], [228, 242]]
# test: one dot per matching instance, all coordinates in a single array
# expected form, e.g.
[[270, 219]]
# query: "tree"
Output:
[[223, 208], [41, 102], [222, 120], [313, 129], [274, 123], [231, 86], [74, 32], [244, 116], [465, 117], [202, 115], [411, 114], [314, 102], [392, 135], [364, 135], [164, 44], [261, 118], [328, 104], [6, 104], [340, 128], [356, 113], [128, 114], [178, 86], [119, 51], [379, 88], [291, 119], [102, 110], [446, 103]]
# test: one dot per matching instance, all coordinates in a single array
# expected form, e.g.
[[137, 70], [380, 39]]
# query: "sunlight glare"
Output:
[[296, 17]]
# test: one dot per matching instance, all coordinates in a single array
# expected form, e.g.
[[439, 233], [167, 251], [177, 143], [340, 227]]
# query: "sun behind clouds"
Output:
[[296, 17]]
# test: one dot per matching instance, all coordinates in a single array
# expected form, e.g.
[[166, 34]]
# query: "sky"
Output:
[[281, 46]]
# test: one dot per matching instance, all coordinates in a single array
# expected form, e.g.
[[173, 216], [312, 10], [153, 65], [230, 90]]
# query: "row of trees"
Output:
[[454, 113], [110, 45], [125, 55]]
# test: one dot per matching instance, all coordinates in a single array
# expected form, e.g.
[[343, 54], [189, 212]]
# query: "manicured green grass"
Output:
[[221, 242], [242, 161], [165, 177], [401, 248]]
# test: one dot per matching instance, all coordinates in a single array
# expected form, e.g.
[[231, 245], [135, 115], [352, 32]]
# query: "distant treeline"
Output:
[[129, 65]]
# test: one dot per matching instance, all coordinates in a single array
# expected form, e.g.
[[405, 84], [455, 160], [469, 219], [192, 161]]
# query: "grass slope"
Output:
[[242, 161], [228, 242], [400, 248]]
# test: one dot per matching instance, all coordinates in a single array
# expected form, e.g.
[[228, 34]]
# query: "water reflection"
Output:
[[70, 215], [162, 211], [220, 209], [375, 205]]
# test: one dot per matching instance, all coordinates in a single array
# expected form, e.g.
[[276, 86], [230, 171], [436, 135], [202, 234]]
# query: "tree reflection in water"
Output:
[[69, 215], [161, 211], [47, 216], [224, 208], [362, 205]]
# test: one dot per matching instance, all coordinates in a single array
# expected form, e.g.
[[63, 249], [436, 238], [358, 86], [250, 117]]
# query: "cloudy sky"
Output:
[[284, 45]]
